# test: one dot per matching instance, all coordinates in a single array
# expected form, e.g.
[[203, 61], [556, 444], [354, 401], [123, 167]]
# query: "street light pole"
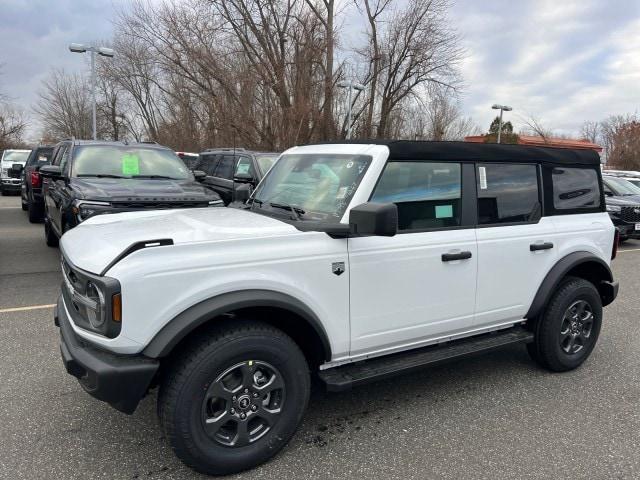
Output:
[[502, 108], [93, 94], [105, 52], [351, 86]]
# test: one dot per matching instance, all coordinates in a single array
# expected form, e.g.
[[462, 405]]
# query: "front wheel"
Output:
[[567, 331], [234, 398]]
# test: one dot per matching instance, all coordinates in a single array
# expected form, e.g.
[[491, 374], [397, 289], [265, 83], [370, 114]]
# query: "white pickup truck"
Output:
[[352, 262]]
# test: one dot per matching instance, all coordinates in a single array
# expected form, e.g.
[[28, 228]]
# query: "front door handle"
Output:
[[540, 246], [450, 257]]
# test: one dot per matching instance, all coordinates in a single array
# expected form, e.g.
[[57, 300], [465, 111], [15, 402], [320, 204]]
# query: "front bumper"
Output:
[[11, 184], [119, 380]]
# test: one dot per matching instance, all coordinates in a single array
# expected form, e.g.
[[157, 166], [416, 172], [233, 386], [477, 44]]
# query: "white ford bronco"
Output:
[[352, 262]]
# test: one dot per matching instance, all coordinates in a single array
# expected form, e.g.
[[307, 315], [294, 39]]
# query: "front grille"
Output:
[[156, 205], [630, 214]]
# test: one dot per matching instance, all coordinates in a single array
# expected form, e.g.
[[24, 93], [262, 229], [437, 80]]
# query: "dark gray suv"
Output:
[[226, 166]]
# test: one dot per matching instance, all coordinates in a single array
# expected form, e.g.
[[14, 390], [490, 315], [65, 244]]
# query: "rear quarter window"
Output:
[[574, 189]]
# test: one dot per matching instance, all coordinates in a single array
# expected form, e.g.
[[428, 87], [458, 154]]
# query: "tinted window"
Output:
[[225, 167], [575, 188], [428, 195], [127, 161], [64, 160], [208, 163], [40, 157], [507, 193]]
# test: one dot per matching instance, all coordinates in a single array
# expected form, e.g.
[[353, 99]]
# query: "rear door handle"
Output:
[[540, 246], [450, 257]]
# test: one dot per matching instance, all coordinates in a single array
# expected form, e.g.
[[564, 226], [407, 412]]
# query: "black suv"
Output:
[[32, 199], [623, 204], [88, 178], [225, 166]]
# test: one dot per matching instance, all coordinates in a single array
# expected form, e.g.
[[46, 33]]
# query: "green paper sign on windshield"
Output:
[[130, 165]]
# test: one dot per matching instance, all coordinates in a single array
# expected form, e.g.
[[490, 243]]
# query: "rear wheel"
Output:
[[234, 398], [568, 330], [23, 204]]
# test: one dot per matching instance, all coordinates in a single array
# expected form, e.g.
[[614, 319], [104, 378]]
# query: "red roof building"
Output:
[[545, 142]]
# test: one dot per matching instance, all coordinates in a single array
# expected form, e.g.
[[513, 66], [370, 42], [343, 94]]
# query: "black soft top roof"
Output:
[[482, 152]]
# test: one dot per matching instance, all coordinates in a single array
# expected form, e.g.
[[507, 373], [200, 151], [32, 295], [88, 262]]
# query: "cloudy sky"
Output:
[[563, 61]]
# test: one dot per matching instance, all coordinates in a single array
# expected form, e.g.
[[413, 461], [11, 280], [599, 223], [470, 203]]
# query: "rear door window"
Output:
[[208, 164], [507, 193], [428, 194]]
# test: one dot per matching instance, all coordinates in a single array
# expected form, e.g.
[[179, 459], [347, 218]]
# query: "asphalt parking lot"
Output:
[[496, 416]]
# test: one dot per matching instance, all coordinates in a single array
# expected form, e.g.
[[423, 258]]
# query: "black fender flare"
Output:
[[187, 321], [601, 272]]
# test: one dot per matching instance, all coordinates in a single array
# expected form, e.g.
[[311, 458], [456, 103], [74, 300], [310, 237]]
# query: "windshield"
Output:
[[621, 186], [128, 162], [16, 156], [320, 186], [265, 162]]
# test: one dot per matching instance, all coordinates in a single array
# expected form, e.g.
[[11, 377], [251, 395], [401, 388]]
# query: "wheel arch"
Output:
[[278, 309], [578, 264]]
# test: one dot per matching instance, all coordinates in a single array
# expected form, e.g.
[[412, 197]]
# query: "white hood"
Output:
[[94, 244]]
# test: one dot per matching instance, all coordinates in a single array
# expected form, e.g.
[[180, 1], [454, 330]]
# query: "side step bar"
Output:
[[346, 376]]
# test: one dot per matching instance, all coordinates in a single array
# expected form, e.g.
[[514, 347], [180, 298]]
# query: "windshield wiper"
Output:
[[297, 211], [100, 175], [161, 177]]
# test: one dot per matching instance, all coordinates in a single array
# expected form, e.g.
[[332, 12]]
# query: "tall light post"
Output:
[[351, 86], [502, 108], [105, 52]]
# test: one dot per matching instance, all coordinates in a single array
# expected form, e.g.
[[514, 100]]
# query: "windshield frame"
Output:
[[332, 217], [123, 148]]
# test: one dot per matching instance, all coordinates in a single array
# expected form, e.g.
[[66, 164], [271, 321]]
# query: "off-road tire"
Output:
[[183, 388], [546, 349]]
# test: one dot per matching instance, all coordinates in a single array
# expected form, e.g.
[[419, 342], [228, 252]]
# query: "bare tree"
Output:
[[591, 131], [12, 125], [64, 105], [411, 46], [534, 126]]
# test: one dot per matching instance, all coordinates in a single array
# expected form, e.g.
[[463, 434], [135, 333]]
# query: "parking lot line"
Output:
[[629, 250], [23, 309]]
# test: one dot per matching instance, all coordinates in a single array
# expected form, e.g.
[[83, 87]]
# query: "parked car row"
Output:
[[65, 184]]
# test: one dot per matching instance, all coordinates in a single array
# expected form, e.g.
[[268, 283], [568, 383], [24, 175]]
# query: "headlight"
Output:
[[216, 203], [614, 208], [4, 172], [84, 210], [95, 306]]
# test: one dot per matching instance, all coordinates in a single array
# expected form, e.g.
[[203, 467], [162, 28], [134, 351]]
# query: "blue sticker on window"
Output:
[[444, 211]]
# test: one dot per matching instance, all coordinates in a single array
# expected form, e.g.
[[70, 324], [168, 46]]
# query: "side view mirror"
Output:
[[241, 192], [199, 175], [379, 219], [243, 178], [17, 168], [51, 171]]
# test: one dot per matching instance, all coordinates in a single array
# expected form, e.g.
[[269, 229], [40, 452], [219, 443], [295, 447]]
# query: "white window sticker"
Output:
[[483, 178], [342, 192]]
